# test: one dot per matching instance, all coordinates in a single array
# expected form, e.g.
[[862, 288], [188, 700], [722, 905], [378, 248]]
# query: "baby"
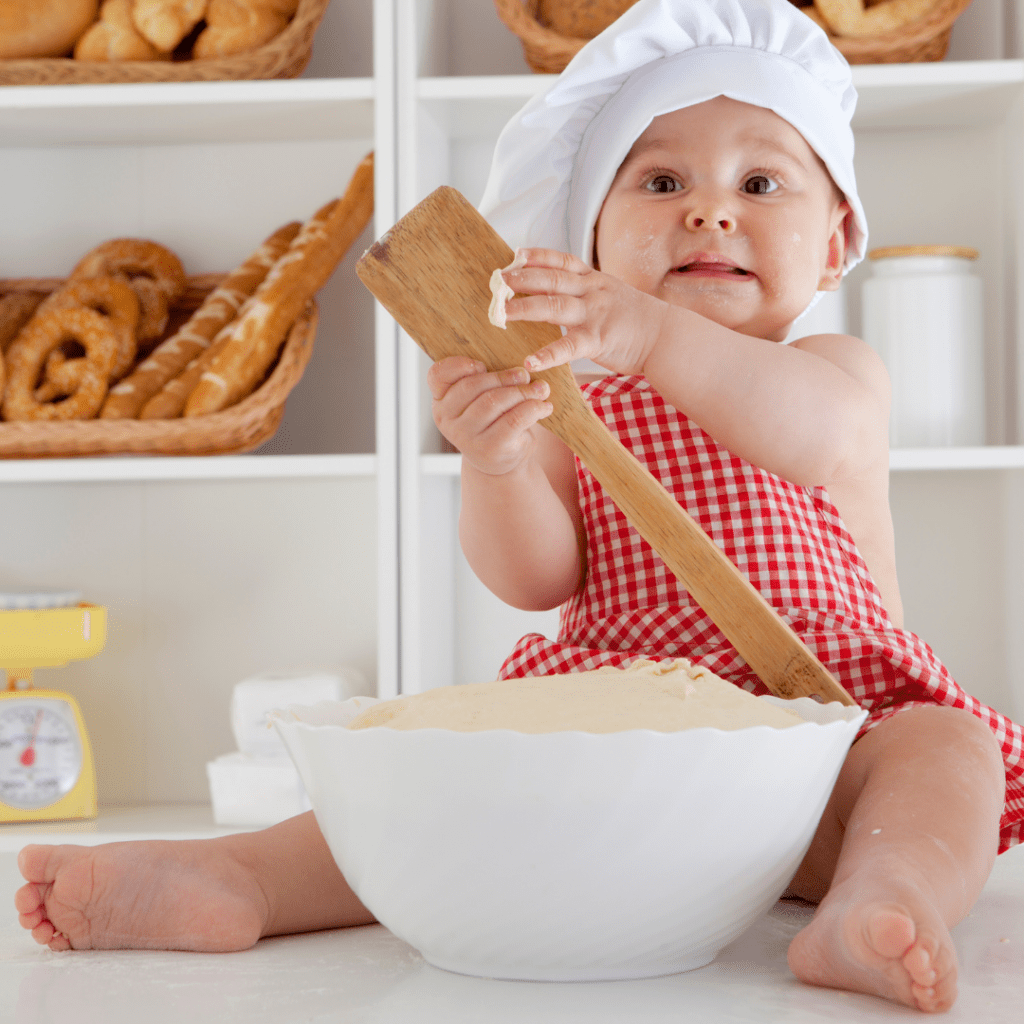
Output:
[[684, 190]]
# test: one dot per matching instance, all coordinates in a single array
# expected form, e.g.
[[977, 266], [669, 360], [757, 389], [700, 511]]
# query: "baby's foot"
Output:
[[141, 895], [886, 939]]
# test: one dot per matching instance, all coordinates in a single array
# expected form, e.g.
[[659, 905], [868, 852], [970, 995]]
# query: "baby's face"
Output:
[[724, 208]]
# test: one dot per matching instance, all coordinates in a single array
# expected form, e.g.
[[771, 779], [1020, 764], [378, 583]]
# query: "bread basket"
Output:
[[925, 39], [239, 428], [548, 51], [284, 56]]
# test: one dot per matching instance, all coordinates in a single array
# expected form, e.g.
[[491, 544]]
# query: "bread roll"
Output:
[[43, 28], [239, 26], [166, 22], [114, 37]]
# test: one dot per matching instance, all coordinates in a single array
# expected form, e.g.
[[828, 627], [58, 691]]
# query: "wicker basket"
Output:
[[283, 57], [239, 428], [922, 40], [548, 51]]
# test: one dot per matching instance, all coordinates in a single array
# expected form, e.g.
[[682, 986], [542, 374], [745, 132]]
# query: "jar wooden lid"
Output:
[[964, 252]]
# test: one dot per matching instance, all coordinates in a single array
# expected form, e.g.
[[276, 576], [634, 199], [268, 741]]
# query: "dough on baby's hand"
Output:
[[663, 696], [501, 293]]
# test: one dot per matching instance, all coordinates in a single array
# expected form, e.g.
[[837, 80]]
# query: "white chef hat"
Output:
[[556, 159]]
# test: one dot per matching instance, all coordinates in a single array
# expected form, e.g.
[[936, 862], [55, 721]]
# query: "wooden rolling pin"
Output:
[[431, 271]]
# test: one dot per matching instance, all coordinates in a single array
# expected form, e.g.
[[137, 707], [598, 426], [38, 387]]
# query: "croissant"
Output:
[[114, 37], [164, 23], [237, 26]]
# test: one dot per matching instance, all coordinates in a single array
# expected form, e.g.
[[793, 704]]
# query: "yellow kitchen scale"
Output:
[[46, 766]]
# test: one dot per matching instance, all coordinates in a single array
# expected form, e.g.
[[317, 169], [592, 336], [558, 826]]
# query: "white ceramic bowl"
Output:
[[567, 856]]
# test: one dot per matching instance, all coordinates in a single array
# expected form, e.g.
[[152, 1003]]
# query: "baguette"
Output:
[[170, 400], [297, 276], [220, 307]]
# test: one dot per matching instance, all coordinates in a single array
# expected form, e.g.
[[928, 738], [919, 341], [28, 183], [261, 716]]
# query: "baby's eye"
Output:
[[759, 185], [663, 183]]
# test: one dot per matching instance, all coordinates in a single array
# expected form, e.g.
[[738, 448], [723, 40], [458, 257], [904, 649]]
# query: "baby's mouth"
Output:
[[708, 269]]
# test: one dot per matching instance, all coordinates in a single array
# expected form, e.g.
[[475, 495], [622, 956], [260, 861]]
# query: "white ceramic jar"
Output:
[[922, 312]]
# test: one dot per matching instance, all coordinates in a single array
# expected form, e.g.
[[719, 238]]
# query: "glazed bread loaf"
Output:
[[43, 28]]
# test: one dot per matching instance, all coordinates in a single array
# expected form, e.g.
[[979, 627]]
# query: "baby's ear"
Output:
[[841, 229]]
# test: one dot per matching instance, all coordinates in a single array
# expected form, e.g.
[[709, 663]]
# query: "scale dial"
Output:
[[41, 755]]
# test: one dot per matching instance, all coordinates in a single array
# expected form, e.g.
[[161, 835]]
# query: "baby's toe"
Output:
[[27, 899], [43, 932], [889, 931], [34, 863], [919, 961], [32, 919], [935, 998], [931, 967]]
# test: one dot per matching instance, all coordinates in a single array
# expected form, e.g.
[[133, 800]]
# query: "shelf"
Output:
[[900, 460], [120, 824], [168, 113], [987, 457], [936, 94], [441, 465], [207, 467], [924, 95]]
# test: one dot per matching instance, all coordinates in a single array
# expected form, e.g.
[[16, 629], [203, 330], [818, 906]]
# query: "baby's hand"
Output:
[[606, 320], [487, 416]]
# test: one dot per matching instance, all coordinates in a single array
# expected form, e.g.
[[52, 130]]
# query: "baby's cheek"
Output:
[[634, 256]]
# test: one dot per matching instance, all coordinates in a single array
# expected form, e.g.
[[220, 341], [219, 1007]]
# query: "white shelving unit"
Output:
[[213, 569], [335, 543]]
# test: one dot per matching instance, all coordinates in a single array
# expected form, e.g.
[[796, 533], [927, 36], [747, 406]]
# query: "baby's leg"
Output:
[[212, 895], [904, 848]]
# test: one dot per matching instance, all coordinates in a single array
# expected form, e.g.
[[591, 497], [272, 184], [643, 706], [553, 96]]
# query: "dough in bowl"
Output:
[[663, 696]]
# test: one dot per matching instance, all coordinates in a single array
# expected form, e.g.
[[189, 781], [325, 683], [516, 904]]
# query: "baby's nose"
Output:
[[710, 217]]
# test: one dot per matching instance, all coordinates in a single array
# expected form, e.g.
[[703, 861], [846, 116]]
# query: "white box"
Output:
[[248, 790]]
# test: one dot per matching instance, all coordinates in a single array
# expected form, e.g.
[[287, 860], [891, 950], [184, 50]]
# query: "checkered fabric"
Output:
[[792, 545]]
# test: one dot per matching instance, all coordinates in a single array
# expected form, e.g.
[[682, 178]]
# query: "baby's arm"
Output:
[[813, 412], [519, 524]]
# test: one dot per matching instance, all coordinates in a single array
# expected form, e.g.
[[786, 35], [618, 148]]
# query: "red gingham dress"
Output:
[[792, 545]]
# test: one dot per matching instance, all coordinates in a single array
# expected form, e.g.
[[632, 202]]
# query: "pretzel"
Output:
[[153, 271], [16, 309], [853, 19], [238, 26], [116, 300], [164, 23], [219, 309], [114, 37], [26, 357], [310, 260]]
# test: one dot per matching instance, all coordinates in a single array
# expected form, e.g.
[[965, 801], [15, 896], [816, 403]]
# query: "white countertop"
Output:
[[367, 976]]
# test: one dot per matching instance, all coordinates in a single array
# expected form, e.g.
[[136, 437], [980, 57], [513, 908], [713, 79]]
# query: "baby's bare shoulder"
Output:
[[852, 355]]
